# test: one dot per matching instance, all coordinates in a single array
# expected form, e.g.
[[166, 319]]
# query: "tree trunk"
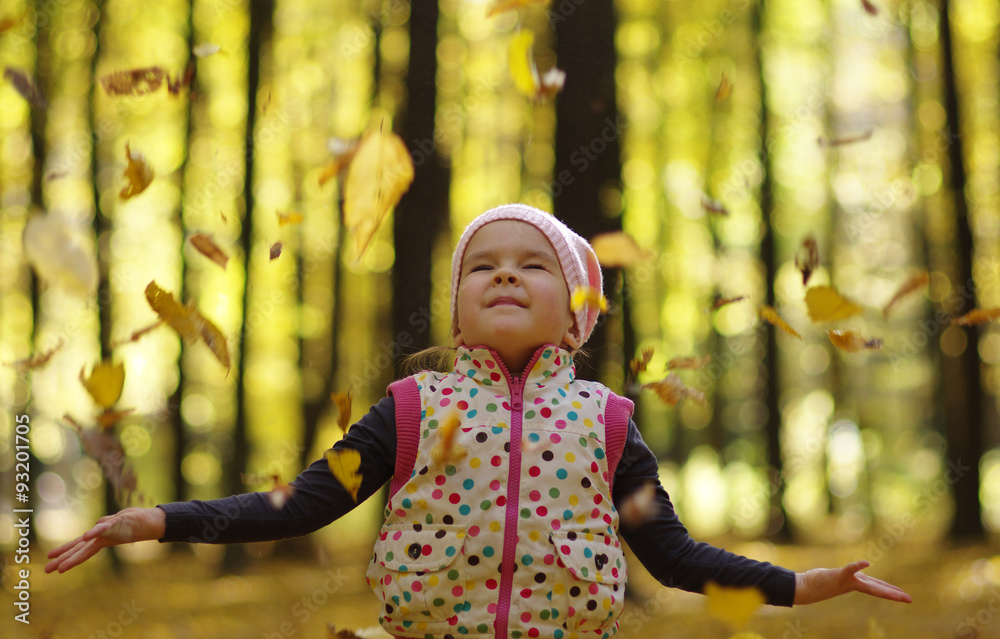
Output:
[[777, 529], [960, 374], [588, 132], [261, 26], [423, 210]]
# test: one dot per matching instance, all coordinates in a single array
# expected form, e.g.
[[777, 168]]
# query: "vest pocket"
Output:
[[592, 594], [417, 572]]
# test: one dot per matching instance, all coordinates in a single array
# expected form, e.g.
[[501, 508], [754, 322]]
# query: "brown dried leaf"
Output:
[[852, 342], [807, 258], [340, 634], [911, 285], [36, 361], [869, 7], [134, 337], [688, 362], [725, 88], [639, 364], [275, 250], [847, 139], [713, 206], [725, 301], [769, 315], [109, 418], [640, 505], [133, 81], [104, 448], [976, 316], [24, 85], [672, 390], [138, 173], [207, 247], [9, 22]]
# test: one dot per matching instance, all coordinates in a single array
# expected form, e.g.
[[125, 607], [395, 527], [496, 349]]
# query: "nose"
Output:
[[505, 274]]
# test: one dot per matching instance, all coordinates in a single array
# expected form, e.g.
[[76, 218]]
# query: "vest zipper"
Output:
[[516, 386]]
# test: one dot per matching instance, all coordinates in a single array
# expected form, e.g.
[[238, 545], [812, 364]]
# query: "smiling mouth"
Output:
[[505, 301]]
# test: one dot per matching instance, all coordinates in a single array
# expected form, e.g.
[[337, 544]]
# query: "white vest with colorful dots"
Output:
[[503, 526]]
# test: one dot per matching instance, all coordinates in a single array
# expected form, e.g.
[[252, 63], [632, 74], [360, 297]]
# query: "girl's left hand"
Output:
[[825, 583]]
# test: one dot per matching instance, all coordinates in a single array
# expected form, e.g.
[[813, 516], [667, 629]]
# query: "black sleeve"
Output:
[[666, 550], [318, 498]]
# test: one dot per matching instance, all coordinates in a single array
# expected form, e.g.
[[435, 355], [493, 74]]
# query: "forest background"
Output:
[[735, 154]]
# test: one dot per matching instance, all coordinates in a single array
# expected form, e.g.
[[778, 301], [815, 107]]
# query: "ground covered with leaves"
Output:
[[956, 593]]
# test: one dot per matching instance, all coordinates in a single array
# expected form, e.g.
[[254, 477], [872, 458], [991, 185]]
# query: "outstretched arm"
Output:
[[825, 583], [124, 527]]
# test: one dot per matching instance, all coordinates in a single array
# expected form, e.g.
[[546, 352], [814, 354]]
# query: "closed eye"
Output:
[[480, 267], [538, 266]]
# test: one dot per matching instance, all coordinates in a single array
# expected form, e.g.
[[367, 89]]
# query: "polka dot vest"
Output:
[[505, 526]]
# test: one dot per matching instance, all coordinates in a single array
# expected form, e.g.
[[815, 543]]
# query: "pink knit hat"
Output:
[[576, 258]]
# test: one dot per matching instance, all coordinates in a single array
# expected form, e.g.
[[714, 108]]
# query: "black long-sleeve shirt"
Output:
[[661, 543]]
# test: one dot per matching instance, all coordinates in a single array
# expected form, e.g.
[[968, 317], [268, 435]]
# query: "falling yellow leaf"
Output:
[[446, 449], [852, 342], [771, 316], [378, 176], [138, 173], [9, 22], [207, 247], [587, 296], [976, 316], [617, 249], [672, 390], [688, 362], [807, 258], [288, 218], [911, 285], [61, 255], [499, 6], [187, 321], [104, 383], [344, 464], [725, 89], [827, 305], [521, 63], [734, 606], [37, 361], [343, 152], [109, 418], [342, 401]]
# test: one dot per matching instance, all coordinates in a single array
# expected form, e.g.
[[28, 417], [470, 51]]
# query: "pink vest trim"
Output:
[[407, 397], [618, 411]]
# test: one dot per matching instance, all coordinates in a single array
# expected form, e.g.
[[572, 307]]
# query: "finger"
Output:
[[856, 566], [61, 549], [52, 565], [86, 551], [100, 527]]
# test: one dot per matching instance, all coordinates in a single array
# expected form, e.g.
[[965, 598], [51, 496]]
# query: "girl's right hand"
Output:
[[124, 527]]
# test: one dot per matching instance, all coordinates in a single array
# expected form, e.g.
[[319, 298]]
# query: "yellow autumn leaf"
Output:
[[617, 249], [734, 606], [587, 296], [187, 321], [104, 383], [342, 400], [344, 464], [288, 218], [769, 315], [446, 449], [852, 342], [378, 176], [725, 88], [827, 305], [521, 63], [139, 174]]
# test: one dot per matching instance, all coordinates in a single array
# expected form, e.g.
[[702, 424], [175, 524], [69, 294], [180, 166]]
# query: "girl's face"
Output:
[[512, 296]]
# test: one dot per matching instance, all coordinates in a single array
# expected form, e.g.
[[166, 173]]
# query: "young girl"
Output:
[[506, 473]]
